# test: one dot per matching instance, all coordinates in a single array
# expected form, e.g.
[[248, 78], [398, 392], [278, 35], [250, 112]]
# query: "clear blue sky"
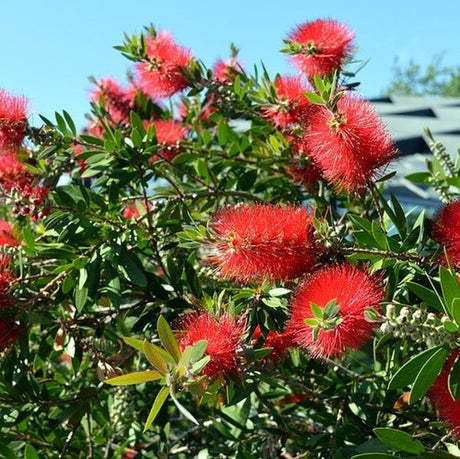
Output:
[[50, 47]]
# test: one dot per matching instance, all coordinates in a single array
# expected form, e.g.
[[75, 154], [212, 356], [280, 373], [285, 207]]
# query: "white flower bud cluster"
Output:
[[118, 409], [331, 235], [441, 188], [419, 326]]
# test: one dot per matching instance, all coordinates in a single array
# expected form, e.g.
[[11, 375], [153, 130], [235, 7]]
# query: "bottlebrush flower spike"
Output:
[[224, 71], [9, 332], [6, 235], [169, 134], [325, 44], [117, 101], [349, 145], [223, 335], [353, 291], [13, 119], [161, 76], [291, 107], [6, 277], [446, 230], [447, 407], [304, 173], [257, 242], [280, 342], [13, 175]]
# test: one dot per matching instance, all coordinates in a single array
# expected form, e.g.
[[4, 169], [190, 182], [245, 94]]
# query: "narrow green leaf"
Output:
[[428, 374], [199, 348], [168, 339], [134, 378], [407, 373], [136, 343], [455, 311], [314, 98], [316, 310], [400, 222], [425, 294], [154, 357], [183, 410], [157, 404], [454, 380], [374, 456], [311, 322], [398, 440], [30, 452], [450, 287], [279, 291], [198, 366]]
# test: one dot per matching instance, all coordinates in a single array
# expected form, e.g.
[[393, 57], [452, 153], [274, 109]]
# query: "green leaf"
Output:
[[30, 453], [81, 295], [138, 344], [157, 404], [398, 440], [154, 357], [331, 309], [425, 294], [134, 378], [454, 380], [407, 373], [199, 348], [132, 271], [198, 366], [279, 291], [184, 411], [311, 322], [450, 287], [314, 98], [455, 311], [316, 310], [428, 374], [168, 339], [374, 456]]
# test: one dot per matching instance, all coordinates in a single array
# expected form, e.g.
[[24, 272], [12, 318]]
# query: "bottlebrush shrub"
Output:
[[310, 309]]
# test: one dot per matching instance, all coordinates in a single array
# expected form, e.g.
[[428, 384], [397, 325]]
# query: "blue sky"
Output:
[[49, 48]]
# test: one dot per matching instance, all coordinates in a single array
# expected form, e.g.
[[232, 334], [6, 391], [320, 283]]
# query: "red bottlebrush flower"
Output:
[[280, 342], [325, 45], [117, 101], [257, 242], [353, 292], [6, 234], [169, 134], [304, 173], [13, 175], [131, 211], [350, 145], [291, 107], [13, 119], [448, 408], [446, 230], [223, 334], [6, 277], [9, 332], [161, 76], [224, 71]]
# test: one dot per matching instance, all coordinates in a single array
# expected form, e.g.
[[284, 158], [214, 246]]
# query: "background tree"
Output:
[[433, 80]]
